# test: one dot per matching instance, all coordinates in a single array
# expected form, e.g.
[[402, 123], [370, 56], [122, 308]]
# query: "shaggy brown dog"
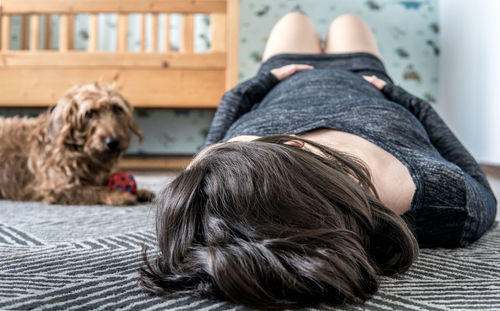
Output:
[[66, 155]]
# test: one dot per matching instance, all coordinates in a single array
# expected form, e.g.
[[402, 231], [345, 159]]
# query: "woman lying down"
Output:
[[317, 176]]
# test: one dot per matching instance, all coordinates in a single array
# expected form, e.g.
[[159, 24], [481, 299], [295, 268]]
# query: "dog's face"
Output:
[[94, 119]]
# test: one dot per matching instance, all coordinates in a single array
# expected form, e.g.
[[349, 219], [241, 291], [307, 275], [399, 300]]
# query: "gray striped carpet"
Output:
[[85, 258]]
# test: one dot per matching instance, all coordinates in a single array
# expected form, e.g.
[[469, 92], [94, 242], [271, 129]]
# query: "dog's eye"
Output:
[[90, 113], [117, 108]]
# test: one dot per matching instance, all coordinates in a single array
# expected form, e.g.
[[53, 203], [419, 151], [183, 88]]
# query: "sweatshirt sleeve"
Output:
[[442, 224], [237, 102], [440, 135]]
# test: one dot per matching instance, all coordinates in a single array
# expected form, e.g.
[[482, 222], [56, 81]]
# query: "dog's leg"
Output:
[[144, 195], [88, 195]]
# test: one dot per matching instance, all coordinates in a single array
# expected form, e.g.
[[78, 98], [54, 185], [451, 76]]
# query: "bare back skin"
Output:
[[390, 177]]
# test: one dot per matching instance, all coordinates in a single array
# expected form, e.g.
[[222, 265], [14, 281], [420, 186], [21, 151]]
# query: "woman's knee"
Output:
[[348, 33], [293, 33], [346, 20], [295, 17], [295, 20]]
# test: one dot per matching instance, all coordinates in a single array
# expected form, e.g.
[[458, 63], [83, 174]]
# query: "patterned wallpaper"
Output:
[[406, 31]]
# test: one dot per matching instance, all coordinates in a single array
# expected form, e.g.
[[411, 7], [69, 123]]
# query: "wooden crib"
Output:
[[32, 77]]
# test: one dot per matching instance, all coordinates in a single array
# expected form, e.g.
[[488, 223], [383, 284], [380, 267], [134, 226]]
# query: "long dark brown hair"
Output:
[[270, 225]]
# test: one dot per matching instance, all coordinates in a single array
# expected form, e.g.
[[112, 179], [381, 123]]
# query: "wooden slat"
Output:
[[5, 32], [71, 31], [142, 87], [143, 32], [154, 162], [122, 32], [113, 6], [167, 33], [187, 33], [79, 59], [24, 32], [63, 33], [154, 32], [232, 43], [48, 31], [93, 33], [218, 32], [34, 32]]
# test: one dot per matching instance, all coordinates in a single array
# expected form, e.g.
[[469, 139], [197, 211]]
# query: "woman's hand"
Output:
[[288, 70], [377, 82]]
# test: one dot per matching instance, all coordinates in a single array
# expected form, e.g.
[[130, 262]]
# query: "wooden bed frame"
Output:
[[149, 79]]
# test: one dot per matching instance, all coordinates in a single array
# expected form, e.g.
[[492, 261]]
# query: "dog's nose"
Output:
[[112, 143]]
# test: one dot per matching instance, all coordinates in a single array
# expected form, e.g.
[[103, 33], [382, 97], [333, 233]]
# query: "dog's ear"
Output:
[[63, 116], [132, 125], [136, 130]]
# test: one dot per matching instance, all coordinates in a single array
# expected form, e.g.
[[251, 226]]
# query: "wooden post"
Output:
[[5, 32], [122, 32], [34, 32], [24, 31], [48, 35], [154, 33], [63, 32], [143, 32], [232, 43], [71, 31], [218, 32], [93, 33], [187, 33], [167, 33]]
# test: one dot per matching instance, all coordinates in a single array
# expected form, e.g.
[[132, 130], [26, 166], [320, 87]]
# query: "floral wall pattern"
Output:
[[407, 33]]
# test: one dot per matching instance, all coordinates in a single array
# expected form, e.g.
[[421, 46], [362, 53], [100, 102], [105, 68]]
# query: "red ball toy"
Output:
[[122, 181]]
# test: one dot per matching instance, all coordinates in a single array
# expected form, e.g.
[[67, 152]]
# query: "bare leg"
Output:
[[347, 34], [293, 33]]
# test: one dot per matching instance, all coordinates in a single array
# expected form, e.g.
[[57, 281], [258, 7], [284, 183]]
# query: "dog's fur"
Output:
[[64, 155]]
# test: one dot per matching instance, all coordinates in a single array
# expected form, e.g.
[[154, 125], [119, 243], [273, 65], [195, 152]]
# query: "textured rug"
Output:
[[85, 258]]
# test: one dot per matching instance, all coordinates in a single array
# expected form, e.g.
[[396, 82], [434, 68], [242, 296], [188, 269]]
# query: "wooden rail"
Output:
[[115, 6], [35, 76]]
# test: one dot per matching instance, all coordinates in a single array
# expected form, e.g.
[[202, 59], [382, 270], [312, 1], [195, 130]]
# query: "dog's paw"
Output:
[[120, 198], [145, 195]]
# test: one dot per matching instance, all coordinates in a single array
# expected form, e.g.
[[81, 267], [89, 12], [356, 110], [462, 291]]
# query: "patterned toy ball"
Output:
[[122, 181]]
